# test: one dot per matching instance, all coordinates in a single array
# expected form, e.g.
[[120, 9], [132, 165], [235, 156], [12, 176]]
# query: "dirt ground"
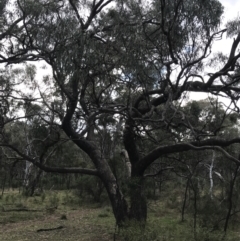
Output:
[[83, 224]]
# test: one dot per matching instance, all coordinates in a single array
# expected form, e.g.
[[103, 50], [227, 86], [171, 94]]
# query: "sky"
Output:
[[232, 7], [231, 11]]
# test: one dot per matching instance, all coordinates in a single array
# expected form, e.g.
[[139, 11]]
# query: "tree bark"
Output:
[[35, 182], [185, 199], [138, 208], [230, 195], [195, 196], [118, 202], [104, 172], [138, 204], [211, 175]]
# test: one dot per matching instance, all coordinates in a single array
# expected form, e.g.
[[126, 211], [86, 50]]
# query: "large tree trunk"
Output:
[[118, 202], [138, 209], [138, 204]]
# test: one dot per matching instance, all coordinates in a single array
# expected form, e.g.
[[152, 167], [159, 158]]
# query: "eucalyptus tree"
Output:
[[207, 172], [120, 71]]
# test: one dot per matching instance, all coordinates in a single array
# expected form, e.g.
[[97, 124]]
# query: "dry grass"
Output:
[[81, 224]]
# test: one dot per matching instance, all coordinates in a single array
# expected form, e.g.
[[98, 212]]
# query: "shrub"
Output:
[[54, 200], [63, 217]]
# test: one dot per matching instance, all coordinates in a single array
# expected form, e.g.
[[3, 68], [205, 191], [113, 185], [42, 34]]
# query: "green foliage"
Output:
[[63, 217], [210, 213], [135, 232], [195, 109], [90, 186], [173, 202], [103, 215], [170, 230], [20, 205], [43, 196], [233, 27], [205, 234], [69, 199], [10, 198], [206, 118], [54, 200]]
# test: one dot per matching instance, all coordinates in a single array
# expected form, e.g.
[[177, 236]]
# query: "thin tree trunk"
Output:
[[127, 163], [230, 203], [185, 200], [27, 173], [35, 182], [211, 175], [3, 183], [29, 166], [194, 205]]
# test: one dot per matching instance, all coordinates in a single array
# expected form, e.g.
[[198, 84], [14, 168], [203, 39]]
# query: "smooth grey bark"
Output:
[[127, 163], [211, 175], [28, 170]]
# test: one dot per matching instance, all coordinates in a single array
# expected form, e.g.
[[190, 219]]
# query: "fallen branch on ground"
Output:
[[49, 229]]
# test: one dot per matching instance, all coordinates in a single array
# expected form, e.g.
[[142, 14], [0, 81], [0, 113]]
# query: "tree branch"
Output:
[[182, 147], [51, 169]]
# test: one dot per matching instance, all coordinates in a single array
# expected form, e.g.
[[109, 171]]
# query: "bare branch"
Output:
[[22, 156], [182, 147]]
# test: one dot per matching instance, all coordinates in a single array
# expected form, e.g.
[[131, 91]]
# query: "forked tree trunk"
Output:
[[138, 210], [138, 204], [118, 203]]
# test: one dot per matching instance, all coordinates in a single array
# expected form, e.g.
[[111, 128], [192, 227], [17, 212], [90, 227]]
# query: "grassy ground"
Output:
[[21, 218], [70, 218]]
